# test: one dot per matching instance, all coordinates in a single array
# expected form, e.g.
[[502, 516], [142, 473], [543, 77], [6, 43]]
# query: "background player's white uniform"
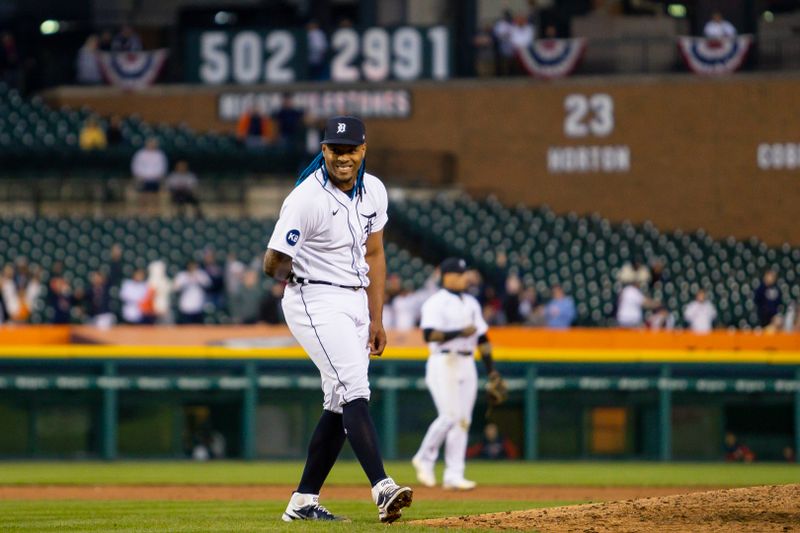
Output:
[[325, 232], [452, 378]]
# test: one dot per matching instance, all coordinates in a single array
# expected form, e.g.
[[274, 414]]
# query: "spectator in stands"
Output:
[[114, 135], [191, 285], [61, 301], [253, 129], [484, 52], [182, 187], [99, 301], [245, 303], [529, 308], [392, 289], [271, 311], [216, 290], [661, 319], [114, 266], [631, 305], [551, 32], [233, 276], [511, 299], [718, 27], [658, 274], [493, 445], [92, 136], [560, 310], [317, 52], [492, 307], [289, 121], [160, 287], [126, 40], [3, 311], [700, 314], [522, 34], [634, 272], [735, 451], [132, 294], [504, 61], [87, 65], [10, 60], [20, 291], [149, 166], [768, 298], [105, 41]]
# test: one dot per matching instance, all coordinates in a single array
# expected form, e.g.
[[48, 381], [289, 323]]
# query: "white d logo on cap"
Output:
[[342, 127]]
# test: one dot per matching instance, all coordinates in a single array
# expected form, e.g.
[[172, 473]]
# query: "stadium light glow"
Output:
[[676, 10], [769, 16], [49, 27], [224, 17]]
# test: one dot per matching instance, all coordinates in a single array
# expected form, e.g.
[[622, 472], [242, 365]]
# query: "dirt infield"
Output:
[[748, 510], [280, 492]]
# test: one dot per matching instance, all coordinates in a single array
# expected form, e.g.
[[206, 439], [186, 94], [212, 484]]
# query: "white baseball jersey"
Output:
[[452, 379], [448, 311], [325, 232]]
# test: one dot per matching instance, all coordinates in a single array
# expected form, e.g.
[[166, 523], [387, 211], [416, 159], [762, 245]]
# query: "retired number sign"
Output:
[[279, 56]]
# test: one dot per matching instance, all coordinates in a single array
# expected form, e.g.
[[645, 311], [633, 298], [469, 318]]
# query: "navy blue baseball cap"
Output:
[[345, 130], [453, 265]]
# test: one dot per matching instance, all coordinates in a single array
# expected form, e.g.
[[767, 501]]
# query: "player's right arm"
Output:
[[277, 265]]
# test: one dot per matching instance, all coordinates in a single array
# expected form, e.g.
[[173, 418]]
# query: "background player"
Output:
[[328, 245], [453, 325]]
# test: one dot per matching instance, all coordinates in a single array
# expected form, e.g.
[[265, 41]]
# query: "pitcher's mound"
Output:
[[751, 510]]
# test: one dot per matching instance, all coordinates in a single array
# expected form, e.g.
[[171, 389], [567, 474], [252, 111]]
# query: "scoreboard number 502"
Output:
[[587, 115]]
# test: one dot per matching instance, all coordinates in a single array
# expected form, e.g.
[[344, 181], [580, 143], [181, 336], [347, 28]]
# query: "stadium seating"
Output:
[[83, 245], [30, 129], [583, 253]]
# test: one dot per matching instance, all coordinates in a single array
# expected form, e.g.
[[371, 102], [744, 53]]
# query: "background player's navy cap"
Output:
[[453, 264], [344, 130]]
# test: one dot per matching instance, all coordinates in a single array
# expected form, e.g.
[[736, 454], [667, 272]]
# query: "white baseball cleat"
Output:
[[425, 474], [307, 507], [390, 499], [459, 484]]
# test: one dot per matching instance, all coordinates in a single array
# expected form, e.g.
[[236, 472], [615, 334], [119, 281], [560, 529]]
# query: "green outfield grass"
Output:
[[57, 516], [349, 473]]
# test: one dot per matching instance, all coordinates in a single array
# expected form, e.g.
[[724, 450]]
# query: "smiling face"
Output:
[[342, 162]]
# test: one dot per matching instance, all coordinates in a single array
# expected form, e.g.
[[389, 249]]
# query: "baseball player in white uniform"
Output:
[[328, 246], [453, 325]]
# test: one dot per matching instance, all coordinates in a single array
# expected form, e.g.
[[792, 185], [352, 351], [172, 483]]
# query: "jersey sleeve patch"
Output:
[[293, 237]]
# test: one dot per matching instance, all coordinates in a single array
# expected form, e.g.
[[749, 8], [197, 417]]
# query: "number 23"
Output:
[[593, 114]]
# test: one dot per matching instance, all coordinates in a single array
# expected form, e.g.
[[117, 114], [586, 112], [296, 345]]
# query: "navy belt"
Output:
[[304, 281], [458, 352]]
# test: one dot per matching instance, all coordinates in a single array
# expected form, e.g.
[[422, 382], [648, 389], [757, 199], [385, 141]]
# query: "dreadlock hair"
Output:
[[319, 163]]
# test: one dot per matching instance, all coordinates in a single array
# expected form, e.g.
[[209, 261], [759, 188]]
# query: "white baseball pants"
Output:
[[332, 326], [453, 382]]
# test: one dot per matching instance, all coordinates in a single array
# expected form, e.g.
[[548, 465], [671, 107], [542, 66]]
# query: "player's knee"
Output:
[[447, 421]]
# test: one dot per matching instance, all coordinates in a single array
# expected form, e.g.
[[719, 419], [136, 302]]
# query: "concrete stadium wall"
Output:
[[683, 151]]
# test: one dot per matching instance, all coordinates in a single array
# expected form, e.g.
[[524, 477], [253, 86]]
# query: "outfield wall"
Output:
[[683, 151], [568, 399]]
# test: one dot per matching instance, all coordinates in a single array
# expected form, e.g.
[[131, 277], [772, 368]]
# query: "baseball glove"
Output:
[[496, 389]]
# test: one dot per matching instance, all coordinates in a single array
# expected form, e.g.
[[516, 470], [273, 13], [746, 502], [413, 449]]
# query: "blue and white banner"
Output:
[[714, 56], [551, 58], [132, 70]]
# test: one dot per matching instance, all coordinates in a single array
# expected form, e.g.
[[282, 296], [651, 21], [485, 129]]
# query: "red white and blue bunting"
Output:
[[551, 58], [132, 70], [714, 56]]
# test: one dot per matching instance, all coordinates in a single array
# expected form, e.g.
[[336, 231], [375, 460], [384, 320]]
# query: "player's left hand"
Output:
[[377, 338]]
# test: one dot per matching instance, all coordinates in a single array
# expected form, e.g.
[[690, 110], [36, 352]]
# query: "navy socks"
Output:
[[324, 448], [364, 439]]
